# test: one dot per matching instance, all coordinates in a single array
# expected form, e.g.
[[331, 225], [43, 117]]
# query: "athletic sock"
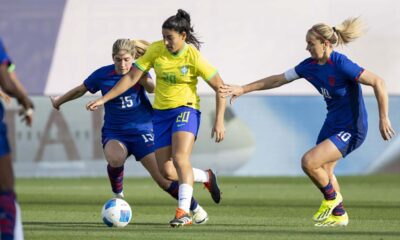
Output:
[[116, 176], [328, 191], [7, 215], [185, 196], [339, 210], [173, 190], [200, 175]]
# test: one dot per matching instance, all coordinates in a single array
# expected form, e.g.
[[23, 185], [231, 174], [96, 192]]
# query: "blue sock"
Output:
[[7, 215], [339, 210], [116, 176], [328, 191]]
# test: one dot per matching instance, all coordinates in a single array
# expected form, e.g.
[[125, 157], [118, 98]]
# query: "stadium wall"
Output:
[[265, 136]]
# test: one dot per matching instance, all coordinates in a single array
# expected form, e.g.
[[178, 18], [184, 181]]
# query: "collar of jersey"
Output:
[[182, 51]]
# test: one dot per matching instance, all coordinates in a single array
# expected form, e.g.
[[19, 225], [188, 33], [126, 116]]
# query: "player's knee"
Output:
[[167, 173], [115, 161], [307, 163]]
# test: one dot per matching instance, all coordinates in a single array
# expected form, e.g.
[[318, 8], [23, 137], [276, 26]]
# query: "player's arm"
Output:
[[127, 81], [72, 94], [270, 82], [377, 83], [9, 87], [219, 129], [148, 83]]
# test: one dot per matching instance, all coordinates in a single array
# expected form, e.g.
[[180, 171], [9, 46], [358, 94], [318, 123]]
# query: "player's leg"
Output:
[[116, 153], [10, 219], [339, 216], [182, 145], [200, 216], [312, 163]]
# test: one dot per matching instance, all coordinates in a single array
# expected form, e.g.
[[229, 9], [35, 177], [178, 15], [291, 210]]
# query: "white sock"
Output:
[[185, 196], [18, 233], [200, 175]]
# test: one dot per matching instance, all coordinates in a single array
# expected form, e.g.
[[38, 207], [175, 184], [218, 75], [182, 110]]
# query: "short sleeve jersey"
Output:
[[176, 82], [4, 58], [129, 111], [337, 81]]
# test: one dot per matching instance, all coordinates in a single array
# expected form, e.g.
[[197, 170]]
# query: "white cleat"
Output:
[[119, 195], [200, 216]]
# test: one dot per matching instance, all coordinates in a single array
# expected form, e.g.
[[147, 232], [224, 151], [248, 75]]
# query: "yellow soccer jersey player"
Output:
[[176, 82]]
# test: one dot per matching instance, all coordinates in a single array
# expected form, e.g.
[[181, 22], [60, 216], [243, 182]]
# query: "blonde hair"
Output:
[[140, 47], [135, 47], [340, 35]]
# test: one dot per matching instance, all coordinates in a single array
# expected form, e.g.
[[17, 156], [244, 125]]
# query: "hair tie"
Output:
[[334, 29]]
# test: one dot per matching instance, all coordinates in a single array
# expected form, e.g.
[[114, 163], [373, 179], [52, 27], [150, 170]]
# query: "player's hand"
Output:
[[3, 95], [94, 105], [218, 131], [386, 129], [54, 103], [27, 116], [234, 91]]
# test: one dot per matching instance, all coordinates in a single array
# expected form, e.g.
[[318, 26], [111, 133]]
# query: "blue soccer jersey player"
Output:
[[10, 219], [128, 128], [338, 80]]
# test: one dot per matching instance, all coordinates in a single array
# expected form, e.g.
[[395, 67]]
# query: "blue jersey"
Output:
[[4, 58], [337, 81], [130, 111], [4, 146]]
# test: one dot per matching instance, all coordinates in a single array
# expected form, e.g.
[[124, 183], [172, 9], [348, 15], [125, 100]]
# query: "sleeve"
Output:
[[91, 83], [350, 69], [4, 58], [204, 69], [301, 68], [291, 75], [145, 62]]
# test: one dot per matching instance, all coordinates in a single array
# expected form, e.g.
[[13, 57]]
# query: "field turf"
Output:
[[251, 208]]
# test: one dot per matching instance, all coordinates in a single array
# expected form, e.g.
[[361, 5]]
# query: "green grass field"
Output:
[[251, 208]]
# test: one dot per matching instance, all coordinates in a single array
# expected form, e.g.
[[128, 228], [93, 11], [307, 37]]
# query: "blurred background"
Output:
[[56, 44]]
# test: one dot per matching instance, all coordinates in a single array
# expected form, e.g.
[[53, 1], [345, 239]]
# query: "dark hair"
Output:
[[181, 23]]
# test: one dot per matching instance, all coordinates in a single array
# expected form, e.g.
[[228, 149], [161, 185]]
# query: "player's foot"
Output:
[[182, 218], [212, 186], [119, 195], [326, 208], [200, 216], [334, 221]]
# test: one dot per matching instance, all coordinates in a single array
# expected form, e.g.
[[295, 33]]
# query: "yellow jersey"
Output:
[[176, 75]]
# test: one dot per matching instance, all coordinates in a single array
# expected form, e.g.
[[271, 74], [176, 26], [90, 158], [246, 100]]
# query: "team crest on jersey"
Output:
[[184, 70], [331, 81]]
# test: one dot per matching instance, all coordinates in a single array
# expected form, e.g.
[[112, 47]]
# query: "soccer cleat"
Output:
[[212, 186], [182, 218], [334, 221], [119, 195], [200, 216], [326, 208]]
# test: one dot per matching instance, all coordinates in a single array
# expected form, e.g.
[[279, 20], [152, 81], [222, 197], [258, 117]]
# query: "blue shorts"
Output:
[[138, 144], [167, 122], [4, 145], [346, 140]]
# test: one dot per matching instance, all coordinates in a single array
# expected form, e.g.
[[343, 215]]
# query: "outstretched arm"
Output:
[[127, 81], [72, 94], [234, 91], [148, 83], [219, 129], [377, 83]]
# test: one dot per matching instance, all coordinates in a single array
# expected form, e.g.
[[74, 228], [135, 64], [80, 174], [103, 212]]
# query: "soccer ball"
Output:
[[116, 212]]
